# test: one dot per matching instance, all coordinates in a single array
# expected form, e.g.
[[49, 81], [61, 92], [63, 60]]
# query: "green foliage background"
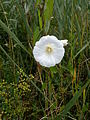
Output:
[[29, 91]]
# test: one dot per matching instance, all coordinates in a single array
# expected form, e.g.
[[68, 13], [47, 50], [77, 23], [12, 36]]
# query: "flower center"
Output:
[[49, 49]]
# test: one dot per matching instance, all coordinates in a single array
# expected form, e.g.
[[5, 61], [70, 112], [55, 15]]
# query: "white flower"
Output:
[[65, 42], [48, 51]]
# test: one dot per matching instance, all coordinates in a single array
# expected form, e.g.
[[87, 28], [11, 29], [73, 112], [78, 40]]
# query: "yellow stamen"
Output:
[[48, 49]]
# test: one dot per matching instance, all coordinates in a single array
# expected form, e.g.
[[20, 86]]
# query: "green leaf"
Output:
[[44, 86], [48, 12], [40, 19], [59, 8], [36, 34], [78, 28], [85, 108], [53, 69]]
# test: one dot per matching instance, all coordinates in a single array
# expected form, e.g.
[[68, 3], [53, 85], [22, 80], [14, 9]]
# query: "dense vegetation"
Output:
[[29, 91]]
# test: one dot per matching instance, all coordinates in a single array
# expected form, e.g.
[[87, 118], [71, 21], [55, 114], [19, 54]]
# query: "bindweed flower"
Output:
[[65, 42], [49, 51]]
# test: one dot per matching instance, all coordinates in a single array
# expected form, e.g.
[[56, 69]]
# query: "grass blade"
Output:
[[48, 12], [81, 50], [12, 35], [72, 101], [24, 18]]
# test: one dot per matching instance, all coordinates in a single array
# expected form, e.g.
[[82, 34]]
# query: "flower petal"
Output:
[[65, 42], [58, 54], [37, 52], [47, 61]]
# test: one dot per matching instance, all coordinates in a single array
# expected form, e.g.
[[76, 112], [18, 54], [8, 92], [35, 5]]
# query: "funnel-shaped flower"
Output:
[[48, 51], [65, 42]]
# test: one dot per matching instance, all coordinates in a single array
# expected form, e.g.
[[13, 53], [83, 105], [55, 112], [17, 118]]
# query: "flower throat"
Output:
[[49, 49]]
